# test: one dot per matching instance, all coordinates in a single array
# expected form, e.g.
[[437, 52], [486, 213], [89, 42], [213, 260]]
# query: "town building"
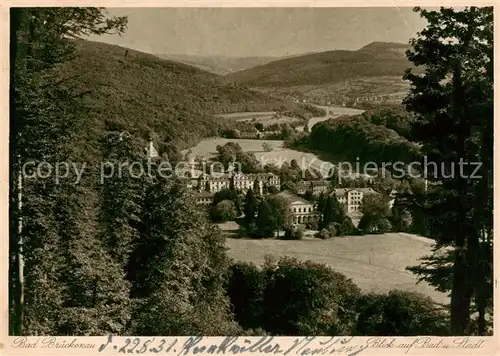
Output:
[[269, 179], [244, 183], [239, 181], [203, 198], [251, 134], [213, 183], [319, 186], [301, 187], [316, 187], [301, 211], [352, 198]]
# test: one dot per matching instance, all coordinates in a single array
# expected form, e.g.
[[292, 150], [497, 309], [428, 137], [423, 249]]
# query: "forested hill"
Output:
[[129, 90], [379, 135], [376, 59]]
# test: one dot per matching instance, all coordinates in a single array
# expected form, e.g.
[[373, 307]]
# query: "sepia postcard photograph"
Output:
[[249, 174]]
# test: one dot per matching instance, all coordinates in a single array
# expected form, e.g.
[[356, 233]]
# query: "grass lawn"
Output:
[[333, 112], [208, 149], [376, 263]]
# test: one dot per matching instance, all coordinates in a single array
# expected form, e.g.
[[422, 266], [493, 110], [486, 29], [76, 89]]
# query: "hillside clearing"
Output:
[[376, 263], [279, 154]]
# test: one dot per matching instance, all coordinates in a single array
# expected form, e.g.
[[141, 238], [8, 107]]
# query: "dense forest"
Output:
[[126, 90], [380, 135], [373, 60]]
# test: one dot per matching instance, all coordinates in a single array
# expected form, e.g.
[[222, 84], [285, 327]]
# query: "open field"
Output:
[[207, 148], [376, 263], [332, 112]]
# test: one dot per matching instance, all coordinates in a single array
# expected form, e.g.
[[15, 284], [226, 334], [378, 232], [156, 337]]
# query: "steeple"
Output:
[[151, 152]]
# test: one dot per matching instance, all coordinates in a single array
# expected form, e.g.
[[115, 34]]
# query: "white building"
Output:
[[301, 210], [316, 187], [352, 198], [240, 181], [203, 198], [213, 184], [244, 182]]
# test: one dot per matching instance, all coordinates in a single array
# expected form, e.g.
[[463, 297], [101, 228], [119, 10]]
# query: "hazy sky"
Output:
[[261, 31]]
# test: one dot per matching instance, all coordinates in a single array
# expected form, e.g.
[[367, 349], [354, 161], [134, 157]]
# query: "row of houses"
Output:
[[316, 187], [378, 98], [239, 181], [303, 211]]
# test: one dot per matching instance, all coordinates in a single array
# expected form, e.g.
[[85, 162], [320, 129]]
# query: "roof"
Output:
[[227, 176], [291, 198], [254, 176], [343, 191]]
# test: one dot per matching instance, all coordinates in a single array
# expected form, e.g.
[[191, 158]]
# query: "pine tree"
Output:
[[250, 206], [121, 194], [333, 212], [321, 202], [178, 268], [265, 221], [45, 118], [453, 101]]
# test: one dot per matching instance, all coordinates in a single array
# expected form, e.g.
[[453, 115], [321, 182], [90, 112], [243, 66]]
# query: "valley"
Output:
[[278, 154], [259, 172]]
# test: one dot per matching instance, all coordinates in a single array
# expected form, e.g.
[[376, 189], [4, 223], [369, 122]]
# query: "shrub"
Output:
[[400, 313], [347, 227], [254, 332], [374, 225], [293, 233], [245, 290], [328, 232], [223, 211], [312, 225], [298, 233], [307, 298], [267, 147], [323, 234]]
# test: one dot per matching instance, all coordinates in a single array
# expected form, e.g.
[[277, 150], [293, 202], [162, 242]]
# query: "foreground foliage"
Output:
[[290, 297], [453, 103]]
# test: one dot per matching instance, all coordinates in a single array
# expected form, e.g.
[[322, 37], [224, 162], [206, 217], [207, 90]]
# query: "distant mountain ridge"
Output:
[[377, 59], [384, 46], [223, 65], [220, 65]]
